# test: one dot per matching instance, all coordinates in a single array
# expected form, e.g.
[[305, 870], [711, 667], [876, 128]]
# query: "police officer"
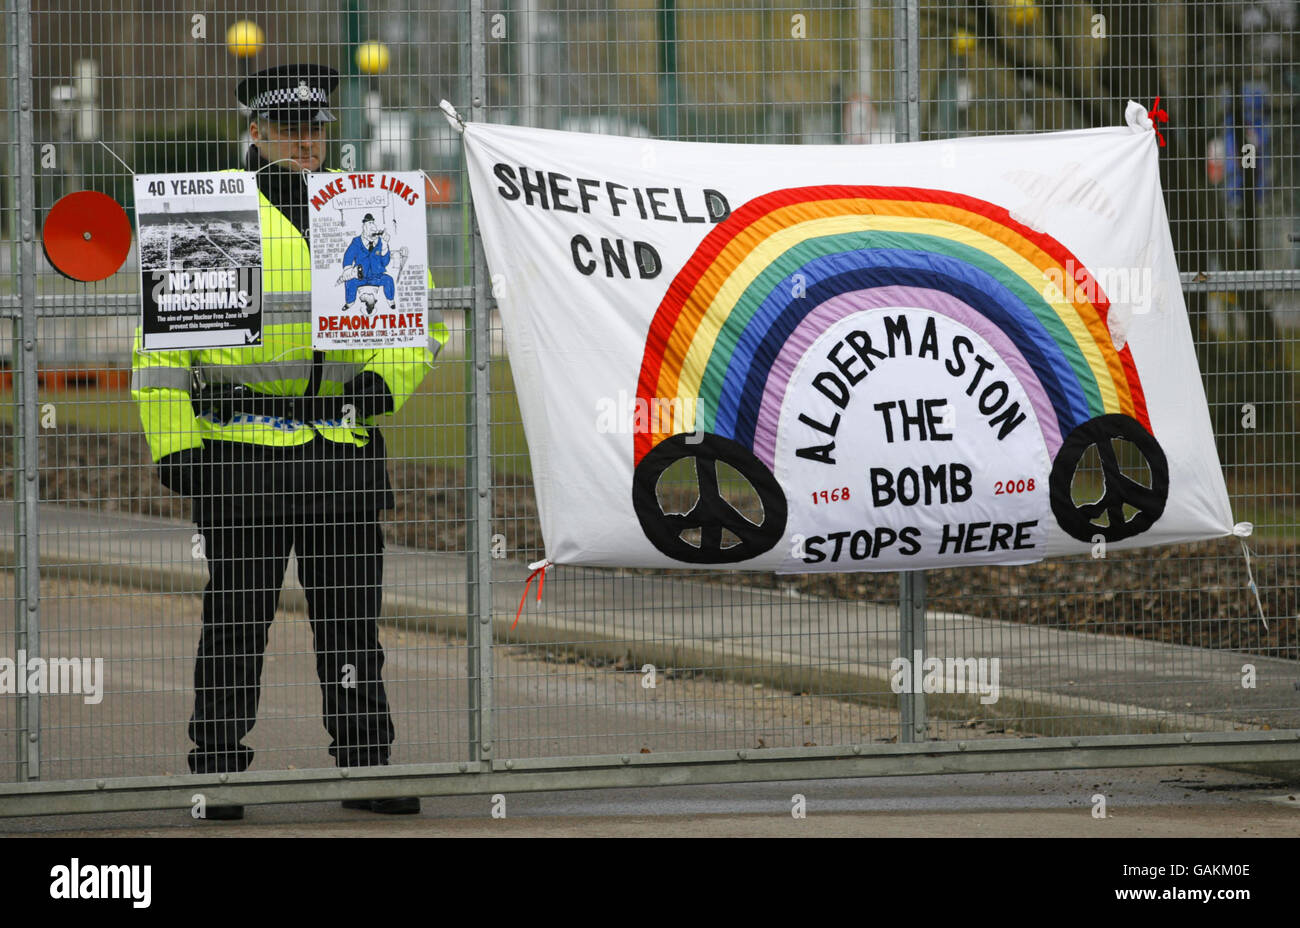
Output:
[[277, 448]]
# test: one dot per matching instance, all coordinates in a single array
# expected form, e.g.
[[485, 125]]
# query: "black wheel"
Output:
[[1119, 489], [711, 514]]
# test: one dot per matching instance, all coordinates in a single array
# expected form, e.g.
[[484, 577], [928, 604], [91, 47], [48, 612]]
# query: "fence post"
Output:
[[911, 645], [913, 53], [907, 68], [479, 444], [911, 583], [666, 26], [27, 573]]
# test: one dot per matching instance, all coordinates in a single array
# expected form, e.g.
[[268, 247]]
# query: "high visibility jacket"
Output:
[[280, 366]]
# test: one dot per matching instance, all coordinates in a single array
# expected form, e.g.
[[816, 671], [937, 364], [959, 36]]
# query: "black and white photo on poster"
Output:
[[200, 244]]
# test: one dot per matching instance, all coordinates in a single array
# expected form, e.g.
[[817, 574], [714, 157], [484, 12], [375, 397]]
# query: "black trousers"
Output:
[[340, 565]]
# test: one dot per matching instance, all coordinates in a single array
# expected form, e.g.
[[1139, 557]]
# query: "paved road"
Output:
[[1071, 683], [735, 669], [550, 702]]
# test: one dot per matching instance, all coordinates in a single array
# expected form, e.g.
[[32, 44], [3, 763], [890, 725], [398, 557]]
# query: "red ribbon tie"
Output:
[[540, 567], [1158, 115]]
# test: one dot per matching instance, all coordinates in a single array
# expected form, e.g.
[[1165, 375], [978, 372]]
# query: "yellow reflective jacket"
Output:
[[280, 366]]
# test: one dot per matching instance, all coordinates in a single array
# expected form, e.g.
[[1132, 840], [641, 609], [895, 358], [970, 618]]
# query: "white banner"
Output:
[[369, 284], [884, 357]]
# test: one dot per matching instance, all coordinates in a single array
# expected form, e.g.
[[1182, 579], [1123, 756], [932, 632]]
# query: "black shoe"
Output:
[[223, 813], [402, 805]]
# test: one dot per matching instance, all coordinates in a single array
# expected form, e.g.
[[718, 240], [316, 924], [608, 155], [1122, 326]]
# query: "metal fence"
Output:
[[634, 677]]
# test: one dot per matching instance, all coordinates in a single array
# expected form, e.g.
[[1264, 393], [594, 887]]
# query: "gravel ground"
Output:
[[1184, 594]]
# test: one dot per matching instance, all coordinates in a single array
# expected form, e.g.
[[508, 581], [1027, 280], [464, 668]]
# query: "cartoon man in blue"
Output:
[[365, 264]]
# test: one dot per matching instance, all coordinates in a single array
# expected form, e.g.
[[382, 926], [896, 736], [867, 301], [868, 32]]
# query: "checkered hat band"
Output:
[[284, 95]]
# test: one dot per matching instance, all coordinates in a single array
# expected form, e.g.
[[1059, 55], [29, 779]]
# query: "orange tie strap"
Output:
[[538, 567]]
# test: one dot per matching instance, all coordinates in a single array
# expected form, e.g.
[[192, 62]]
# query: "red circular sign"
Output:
[[87, 235]]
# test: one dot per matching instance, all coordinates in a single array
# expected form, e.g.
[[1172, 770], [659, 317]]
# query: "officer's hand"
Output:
[[368, 395], [218, 401], [316, 408], [181, 472]]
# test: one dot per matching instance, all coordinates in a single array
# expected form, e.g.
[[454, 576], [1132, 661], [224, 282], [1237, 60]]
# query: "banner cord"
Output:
[[1252, 586], [115, 155]]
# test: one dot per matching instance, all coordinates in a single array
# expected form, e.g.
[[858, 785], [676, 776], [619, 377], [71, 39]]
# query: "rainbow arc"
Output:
[[766, 281]]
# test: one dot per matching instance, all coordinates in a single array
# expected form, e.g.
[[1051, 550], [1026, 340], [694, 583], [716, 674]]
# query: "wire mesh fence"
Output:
[[106, 567]]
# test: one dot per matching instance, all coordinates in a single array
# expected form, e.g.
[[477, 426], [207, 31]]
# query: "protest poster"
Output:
[[847, 358], [369, 272], [200, 246]]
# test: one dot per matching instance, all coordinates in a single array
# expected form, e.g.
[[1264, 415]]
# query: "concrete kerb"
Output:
[[850, 681]]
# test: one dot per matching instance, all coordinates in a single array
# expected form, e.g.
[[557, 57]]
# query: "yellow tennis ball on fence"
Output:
[[963, 41], [372, 57], [244, 39], [1023, 12]]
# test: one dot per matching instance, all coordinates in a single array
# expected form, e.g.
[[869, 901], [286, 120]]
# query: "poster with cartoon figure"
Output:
[[369, 275]]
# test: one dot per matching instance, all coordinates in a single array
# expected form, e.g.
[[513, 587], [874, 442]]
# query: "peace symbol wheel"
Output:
[[711, 513], [1119, 489]]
